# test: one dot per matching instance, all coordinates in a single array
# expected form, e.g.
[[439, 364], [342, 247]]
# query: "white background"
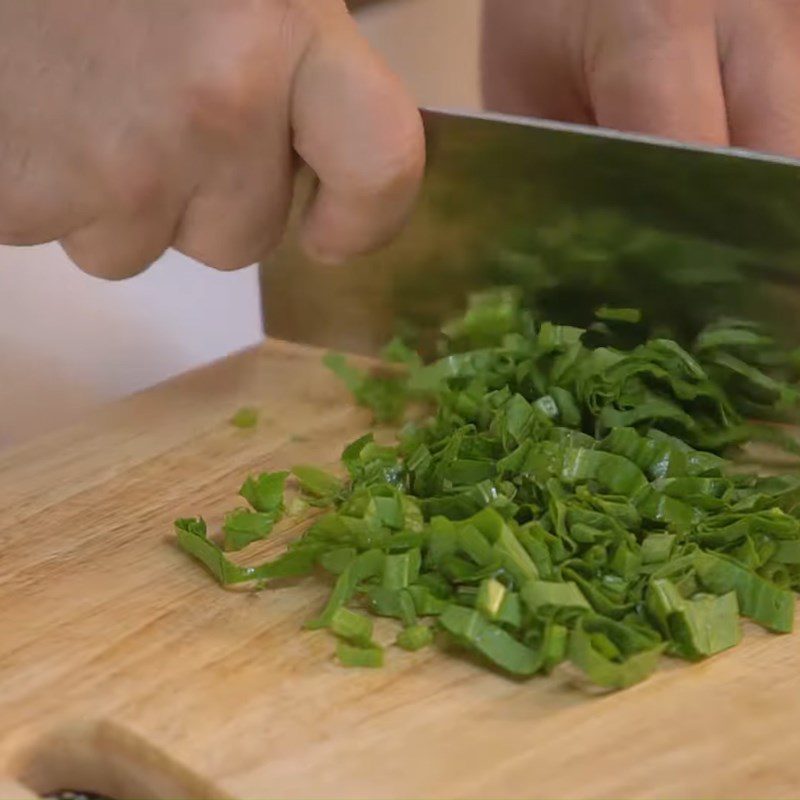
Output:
[[69, 342]]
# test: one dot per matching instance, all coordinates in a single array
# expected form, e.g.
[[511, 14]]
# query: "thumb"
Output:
[[359, 130]]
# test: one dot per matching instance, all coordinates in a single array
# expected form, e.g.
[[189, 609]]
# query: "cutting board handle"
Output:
[[103, 757], [11, 790]]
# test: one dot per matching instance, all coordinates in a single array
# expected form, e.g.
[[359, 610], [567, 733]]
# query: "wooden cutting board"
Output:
[[126, 670]]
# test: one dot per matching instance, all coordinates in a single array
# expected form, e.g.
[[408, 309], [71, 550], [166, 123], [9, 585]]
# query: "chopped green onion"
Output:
[[317, 482], [415, 637], [265, 491], [354, 656], [568, 497], [546, 594], [491, 595], [354, 628], [245, 417]]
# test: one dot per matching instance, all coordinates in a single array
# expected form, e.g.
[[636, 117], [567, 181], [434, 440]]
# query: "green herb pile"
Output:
[[565, 498]]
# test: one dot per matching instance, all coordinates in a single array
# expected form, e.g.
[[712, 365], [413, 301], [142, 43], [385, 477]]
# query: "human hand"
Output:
[[129, 127], [719, 72]]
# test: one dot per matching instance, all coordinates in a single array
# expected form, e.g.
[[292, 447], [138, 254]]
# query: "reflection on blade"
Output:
[[576, 219]]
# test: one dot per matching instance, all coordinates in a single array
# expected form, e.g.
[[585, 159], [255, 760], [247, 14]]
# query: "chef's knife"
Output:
[[576, 217]]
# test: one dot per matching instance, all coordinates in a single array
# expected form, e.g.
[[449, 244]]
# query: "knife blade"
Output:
[[575, 217]]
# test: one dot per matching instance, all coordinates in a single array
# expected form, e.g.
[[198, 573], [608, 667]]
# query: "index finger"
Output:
[[359, 130]]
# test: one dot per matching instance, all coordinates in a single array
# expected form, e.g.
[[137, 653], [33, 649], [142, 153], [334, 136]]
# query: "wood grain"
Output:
[[125, 669]]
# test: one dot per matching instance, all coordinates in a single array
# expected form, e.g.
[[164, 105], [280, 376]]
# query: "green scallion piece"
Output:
[[415, 637], [354, 628], [569, 495], [354, 656], [245, 417]]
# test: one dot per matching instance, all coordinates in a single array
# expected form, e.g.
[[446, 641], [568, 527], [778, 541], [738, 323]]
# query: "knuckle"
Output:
[[249, 81], [136, 183], [228, 106], [234, 99]]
